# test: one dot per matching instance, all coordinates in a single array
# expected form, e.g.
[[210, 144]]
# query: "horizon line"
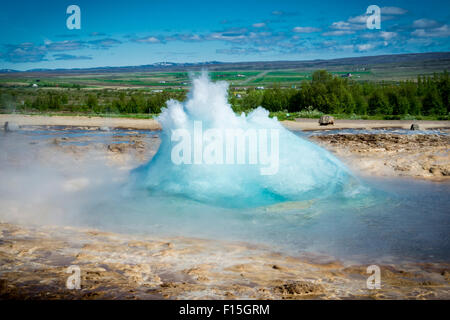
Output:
[[213, 62]]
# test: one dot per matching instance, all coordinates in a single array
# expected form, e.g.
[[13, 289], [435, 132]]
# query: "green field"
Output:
[[242, 75], [239, 79], [384, 87]]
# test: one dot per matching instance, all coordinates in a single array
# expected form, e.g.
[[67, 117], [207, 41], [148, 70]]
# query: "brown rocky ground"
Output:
[[34, 259], [418, 155], [34, 263]]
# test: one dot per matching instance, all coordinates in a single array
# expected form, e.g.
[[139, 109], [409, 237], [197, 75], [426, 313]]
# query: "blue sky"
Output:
[[136, 32]]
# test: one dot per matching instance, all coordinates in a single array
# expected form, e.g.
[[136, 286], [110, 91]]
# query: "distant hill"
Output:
[[158, 66], [382, 61], [8, 71]]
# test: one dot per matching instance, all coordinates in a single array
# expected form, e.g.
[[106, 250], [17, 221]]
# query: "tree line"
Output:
[[92, 101], [335, 95], [325, 93]]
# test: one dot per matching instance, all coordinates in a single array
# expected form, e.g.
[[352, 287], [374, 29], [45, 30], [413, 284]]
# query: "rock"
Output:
[[326, 120], [415, 126], [104, 129], [3, 285], [11, 126], [298, 288], [423, 156], [276, 267], [118, 147]]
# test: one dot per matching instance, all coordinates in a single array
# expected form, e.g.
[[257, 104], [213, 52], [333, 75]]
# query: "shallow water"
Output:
[[40, 133], [399, 220], [387, 220]]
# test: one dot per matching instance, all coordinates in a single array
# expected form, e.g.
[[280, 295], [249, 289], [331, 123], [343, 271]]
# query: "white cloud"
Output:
[[441, 32], [358, 19], [195, 37], [344, 25], [240, 50], [150, 39], [385, 35], [341, 25], [184, 37], [338, 33], [365, 47], [425, 24], [259, 25], [393, 10], [388, 35], [305, 29], [230, 35], [345, 47]]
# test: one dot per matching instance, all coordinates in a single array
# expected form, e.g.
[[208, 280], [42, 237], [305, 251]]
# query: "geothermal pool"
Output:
[[400, 220], [313, 204], [388, 220]]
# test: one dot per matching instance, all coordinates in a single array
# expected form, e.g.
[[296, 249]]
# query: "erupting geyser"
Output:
[[209, 154]]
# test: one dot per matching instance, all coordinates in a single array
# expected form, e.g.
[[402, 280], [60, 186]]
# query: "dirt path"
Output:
[[313, 124], [259, 75], [26, 120], [151, 124]]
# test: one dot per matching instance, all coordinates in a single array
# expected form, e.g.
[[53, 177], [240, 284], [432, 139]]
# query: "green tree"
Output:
[[92, 102], [156, 102], [252, 100], [348, 104], [321, 76], [432, 103], [274, 100], [378, 103]]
